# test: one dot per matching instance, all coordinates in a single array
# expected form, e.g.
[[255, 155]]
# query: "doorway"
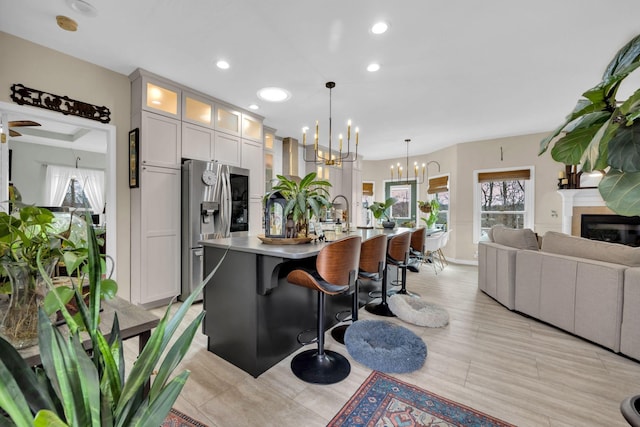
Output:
[[66, 136]]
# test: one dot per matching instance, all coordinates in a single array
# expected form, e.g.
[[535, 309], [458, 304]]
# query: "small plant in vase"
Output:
[[383, 210]]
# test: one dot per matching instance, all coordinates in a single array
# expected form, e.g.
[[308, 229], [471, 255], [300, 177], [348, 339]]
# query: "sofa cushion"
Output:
[[523, 238], [564, 244]]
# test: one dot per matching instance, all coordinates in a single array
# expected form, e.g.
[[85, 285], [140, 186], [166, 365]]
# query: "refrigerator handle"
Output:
[[225, 210]]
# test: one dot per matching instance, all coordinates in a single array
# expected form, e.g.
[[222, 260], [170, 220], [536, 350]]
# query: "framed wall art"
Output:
[[134, 161]]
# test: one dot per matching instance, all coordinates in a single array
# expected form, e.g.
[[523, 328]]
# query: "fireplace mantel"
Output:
[[585, 197]]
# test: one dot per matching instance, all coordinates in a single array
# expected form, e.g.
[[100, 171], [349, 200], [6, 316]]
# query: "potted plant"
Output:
[[93, 390], [601, 133], [29, 251], [383, 210], [305, 198], [434, 210]]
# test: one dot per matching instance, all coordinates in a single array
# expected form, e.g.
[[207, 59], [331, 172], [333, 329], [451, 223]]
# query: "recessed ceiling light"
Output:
[[222, 64], [373, 67], [254, 107], [82, 7], [273, 94], [66, 23], [379, 27]]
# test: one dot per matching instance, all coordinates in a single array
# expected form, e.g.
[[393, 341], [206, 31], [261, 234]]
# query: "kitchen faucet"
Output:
[[348, 211]]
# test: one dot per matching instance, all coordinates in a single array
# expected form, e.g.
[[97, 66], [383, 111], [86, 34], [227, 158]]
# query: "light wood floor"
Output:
[[492, 359]]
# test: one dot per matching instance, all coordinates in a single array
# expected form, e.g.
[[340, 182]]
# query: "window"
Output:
[[404, 210], [75, 196], [503, 197], [439, 189]]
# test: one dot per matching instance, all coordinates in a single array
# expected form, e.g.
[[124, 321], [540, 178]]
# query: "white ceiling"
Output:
[[451, 71]]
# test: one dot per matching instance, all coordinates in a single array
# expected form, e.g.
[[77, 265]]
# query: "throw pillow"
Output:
[[490, 232], [520, 238]]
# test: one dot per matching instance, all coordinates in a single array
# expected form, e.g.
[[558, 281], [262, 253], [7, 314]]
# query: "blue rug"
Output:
[[387, 402], [384, 346]]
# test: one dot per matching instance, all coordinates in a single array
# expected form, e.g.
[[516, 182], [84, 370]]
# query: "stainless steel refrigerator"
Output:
[[215, 204]]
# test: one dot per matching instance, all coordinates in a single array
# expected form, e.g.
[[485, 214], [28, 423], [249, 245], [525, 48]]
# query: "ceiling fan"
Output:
[[20, 123]]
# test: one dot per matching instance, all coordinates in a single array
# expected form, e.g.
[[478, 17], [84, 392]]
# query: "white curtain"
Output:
[[93, 186], [91, 181], [56, 184]]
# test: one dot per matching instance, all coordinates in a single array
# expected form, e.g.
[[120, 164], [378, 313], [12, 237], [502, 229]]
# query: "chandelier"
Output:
[[328, 157], [420, 173]]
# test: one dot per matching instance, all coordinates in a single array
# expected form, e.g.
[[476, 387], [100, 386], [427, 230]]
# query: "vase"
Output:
[[388, 224], [19, 322]]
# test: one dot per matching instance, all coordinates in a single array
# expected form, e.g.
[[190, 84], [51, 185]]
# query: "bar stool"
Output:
[[335, 273], [397, 255], [372, 255], [416, 249]]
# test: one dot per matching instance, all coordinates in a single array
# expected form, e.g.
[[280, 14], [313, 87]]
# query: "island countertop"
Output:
[[253, 245]]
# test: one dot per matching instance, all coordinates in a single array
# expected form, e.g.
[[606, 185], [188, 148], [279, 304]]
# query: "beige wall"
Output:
[[460, 161], [41, 68]]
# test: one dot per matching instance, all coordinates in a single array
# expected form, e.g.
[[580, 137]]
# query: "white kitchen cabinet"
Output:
[[155, 236], [253, 159], [252, 128], [160, 141], [197, 142], [227, 120], [197, 110], [227, 149], [153, 93]]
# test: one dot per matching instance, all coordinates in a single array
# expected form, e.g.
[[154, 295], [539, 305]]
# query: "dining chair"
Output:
[[431, 246]]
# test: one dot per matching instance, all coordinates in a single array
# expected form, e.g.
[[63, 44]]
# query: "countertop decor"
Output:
[[286, 240]]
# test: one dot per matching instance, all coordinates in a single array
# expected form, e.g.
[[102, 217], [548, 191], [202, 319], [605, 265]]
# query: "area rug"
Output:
[[383, 401], [418, 312], [178, 419], [384, 346]]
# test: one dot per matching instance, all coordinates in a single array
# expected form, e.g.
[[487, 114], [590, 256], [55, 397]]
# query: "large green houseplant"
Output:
[[604, 133], [305, 198], [77, 389]]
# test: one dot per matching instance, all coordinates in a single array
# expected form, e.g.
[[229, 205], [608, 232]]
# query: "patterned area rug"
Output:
[[383, 401], [178, 419]]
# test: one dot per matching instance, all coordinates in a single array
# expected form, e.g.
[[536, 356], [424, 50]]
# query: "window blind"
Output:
[[504, 175], [438, 185]]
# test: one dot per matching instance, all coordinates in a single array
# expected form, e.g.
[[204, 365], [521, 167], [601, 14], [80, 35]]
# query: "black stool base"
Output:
[[338, 333], [404, 292], [329, 368], [380, 309]]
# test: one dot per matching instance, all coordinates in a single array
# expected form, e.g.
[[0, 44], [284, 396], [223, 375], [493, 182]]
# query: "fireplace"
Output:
[[611, 228]]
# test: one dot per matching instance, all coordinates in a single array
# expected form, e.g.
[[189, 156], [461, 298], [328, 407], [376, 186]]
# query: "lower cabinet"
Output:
[[155, 236]]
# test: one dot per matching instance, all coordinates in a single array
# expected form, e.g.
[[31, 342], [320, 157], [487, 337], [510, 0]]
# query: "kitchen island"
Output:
[[253, 315]]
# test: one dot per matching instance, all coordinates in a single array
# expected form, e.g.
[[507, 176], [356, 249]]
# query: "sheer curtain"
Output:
[[92, 182], [93, 186], [56, 184]]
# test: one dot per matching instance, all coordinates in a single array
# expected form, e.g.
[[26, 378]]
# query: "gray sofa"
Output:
[[586, 287]]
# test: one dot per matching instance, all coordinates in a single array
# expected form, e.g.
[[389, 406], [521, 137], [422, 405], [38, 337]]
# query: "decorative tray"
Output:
[[286, 241]]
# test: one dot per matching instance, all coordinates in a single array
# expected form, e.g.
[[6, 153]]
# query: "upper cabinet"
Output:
[[156, 94], [228, 120], [251, 128], [160, 140], [197, 110]]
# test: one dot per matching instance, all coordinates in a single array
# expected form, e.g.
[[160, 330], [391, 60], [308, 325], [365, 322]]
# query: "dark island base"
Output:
[[253, 315]]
